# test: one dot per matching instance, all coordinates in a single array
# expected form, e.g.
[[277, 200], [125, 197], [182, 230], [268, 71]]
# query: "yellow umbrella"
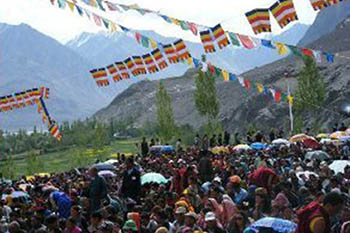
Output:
[[43, 174], [219, 149], [299, 138], [322, 135], [241, 147], [337, 135]]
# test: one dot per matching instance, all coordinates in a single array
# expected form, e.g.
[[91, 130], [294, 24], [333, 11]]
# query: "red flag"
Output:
[[277, 96], [307, 52], [97, 20], [247, 83], [246, 41], [193, 28], [138, 37], [211, 69]]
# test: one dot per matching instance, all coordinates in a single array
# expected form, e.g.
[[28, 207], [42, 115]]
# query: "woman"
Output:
[[71, 226], [238, 223], [229, 209], [262, 204]]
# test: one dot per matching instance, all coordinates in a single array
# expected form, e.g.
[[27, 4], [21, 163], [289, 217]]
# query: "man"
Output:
[[131, 185], [76, 214], [237, 193], [180, 218], [144, 147], [205, 167], [315, 217], [36, 224], [62, 203], [211, 224], [97, 190], [190, 223], [264, 177], [96, 222], [227, 137], [212, 141]]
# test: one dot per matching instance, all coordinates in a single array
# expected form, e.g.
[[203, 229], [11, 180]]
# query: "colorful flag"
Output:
[[234, 39], [105, 23], [153, 44], [259, 19], [61, 4], [267, 43], [158, 56], [150, 63], [171, 54], [54, 131], [71, 5], [247, 83], [111, 6], [225, 75], [332, 2], [97, 20], [290, 98], [220, 36], [123, 70], [44, 92], [284, 12], [99, 2], [329, 57], [181, 50], [80, 11], [259, 87], [166, 18], [100, 76], [4, 104], [295, 50], [193, 28], [318, 4], [318, 56], [196, 62], [232, 77], [12, 101], [281, 48], [246, 41], [20, 100], [144, 41], [140, 67], [184, 25], [207, 41], [277, 96], [307, 52], [114, 73], [138, 37]]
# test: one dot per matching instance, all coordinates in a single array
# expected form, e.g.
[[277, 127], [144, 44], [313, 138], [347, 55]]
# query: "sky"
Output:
[[63, 25]]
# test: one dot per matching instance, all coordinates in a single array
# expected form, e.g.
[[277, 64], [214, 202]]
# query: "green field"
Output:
[[66, 160]]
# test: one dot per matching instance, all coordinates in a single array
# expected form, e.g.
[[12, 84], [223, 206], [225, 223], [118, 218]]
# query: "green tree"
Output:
[[311, 90], [33, 163], [165, 115], [100, 139], [206, 100]]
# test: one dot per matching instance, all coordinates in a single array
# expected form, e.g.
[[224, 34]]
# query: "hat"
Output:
[[210, 216], [162, 230], [217, 179], [130, 225], [260, 191], [235, 179], [181, 161], [192, 215], [181, 210]]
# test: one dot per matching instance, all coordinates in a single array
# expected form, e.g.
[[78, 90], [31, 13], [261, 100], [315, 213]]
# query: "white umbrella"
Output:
[[107, 173], [306, 174], [281, 141], [338, 165], [15, 194], [104, 166], [112, 161]]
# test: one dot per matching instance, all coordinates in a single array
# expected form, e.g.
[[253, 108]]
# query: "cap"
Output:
[[162, 230], [210, 216], [260, 191], [192, 215], [130, 225], [235, 179], [217, 179], [181, 210]]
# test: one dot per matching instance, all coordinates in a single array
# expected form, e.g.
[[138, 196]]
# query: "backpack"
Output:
[[304, 215]]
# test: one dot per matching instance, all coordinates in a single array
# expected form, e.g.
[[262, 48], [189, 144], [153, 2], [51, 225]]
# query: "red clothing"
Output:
[[260, 176], [309, 213]]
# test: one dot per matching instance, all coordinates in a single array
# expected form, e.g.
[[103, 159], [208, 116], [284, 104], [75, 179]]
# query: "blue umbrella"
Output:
[[278, 225], [258, 146], [167, 149]]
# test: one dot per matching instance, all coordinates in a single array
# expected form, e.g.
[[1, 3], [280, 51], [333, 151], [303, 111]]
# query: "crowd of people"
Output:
[[210, 192]]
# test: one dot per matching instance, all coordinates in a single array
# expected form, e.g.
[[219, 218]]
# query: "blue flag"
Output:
[[330, 57], [196, 62], [267, 43], [232, 77]]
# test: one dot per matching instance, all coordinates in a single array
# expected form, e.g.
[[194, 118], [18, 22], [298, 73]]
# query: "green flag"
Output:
[[234, 39], [144, 41]]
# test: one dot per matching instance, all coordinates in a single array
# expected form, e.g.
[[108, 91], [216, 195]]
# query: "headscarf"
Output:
[[229, 209], [217, 209]]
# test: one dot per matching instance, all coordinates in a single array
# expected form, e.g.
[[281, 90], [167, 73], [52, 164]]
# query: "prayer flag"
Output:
[[123, 70], [100, 76], [149, 62], [247, 83], [259, 19], [281, 48], [220, 36], [225, 75], [318, 4], [267, 43], [193, 28], [246, 41], [158, 56], [171, 54], [259, 87], [234, 39], [207, 41], [97, 20], [232, 77], [71, 5], [140, 67], [181, 50]]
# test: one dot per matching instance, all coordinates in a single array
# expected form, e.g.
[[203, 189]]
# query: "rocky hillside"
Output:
[[240, 108]]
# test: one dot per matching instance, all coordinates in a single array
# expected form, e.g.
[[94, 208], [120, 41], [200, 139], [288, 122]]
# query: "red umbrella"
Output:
[[311, 143]]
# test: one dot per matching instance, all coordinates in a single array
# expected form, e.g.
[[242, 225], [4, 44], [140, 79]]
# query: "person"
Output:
[[71, 226], [14, 227], [237, 139], [238, 223], [342, 127], [196, 141], [190, 223], [96, 221], [205, 142], [263, 177], [144, 147], [212, 224], [61, 202], [76, 214], [205, 168], [97, 189], [131, 184], [130, 226], [180, 218], [36, 224], [235, 191], [152, 142], [272, 135], [212, 142], [220, 140], [52, 224], [315, 217], [178, 145], [227, 137]]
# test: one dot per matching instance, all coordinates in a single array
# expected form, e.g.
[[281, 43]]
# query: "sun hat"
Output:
[[130, 225], [210, 216], [181, 210]]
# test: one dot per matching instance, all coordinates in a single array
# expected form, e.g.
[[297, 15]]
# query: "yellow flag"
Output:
[[71, 5], [153, 44], [226, 75], [113, 26], [190, 61], [175, 21], [260, 87], [93, 3], [290, 98], [281, 48]]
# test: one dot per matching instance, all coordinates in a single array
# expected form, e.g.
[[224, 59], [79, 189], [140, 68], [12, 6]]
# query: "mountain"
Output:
[[31, 59], [240, 108]]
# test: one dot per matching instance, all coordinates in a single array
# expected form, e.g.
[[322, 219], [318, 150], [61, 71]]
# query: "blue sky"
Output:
[[64, 25]]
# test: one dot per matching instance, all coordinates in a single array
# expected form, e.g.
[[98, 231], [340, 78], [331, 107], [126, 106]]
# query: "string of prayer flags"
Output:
[[171, 53], [181, 50], [284, 12], [246, 41], [259, 20], [114, 73], [318, 4], [100, 76], [161, 62], [332, 2], [139, 66], [123, 70], [150, 63], [220, 36], [207, 41]]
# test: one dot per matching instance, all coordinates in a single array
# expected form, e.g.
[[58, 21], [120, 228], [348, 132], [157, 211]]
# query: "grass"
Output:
[[64, 160]]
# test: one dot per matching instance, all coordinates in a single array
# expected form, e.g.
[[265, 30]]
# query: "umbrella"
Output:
[[258, 146], [103, 166], [322, 135], [299, 138], [280, 141], [107, 173], [278, 225], [219, 149], [111, 161], [306, 174], [15, 194], [325, 140], [339, 165], [311, 143], [345, 138], [241, 147], [318, 154], [337, 135], [154, 178], [166, 149]]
